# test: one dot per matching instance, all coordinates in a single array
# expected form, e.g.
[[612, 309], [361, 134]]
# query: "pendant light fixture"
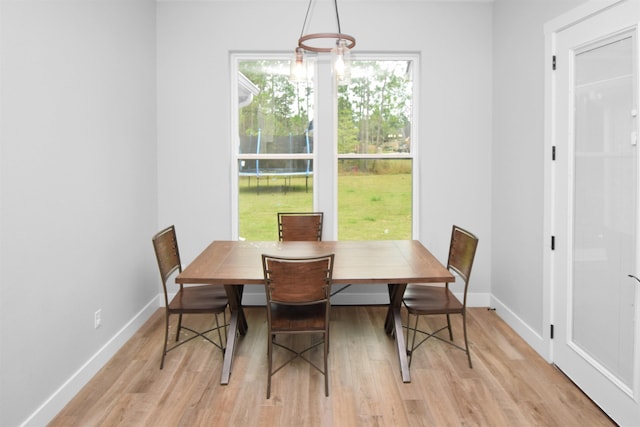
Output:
[[339, 45]]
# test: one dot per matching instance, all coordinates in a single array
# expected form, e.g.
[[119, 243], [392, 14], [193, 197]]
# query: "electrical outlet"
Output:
[[97, 319]]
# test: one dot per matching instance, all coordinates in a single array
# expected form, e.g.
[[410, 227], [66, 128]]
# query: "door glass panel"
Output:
[[605, 207]]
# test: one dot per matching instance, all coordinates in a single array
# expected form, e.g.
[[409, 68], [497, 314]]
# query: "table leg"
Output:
[[237, 325], [393, 325]]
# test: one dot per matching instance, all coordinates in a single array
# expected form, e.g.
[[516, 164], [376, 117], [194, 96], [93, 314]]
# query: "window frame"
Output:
[[325, 124]]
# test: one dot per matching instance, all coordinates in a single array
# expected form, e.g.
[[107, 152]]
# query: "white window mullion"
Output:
[[326, 194]]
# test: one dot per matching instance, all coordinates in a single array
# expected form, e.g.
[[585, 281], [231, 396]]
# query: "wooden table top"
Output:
[[356, 262]]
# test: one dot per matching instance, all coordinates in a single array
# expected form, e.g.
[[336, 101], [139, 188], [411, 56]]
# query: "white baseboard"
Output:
[[63, 395], [476, 299], [533, 338], [358, 295]]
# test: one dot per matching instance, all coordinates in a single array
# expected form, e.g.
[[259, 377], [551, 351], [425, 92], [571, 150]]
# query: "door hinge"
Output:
[[551, 331], [553, 243], [553, 153], [553, 62]]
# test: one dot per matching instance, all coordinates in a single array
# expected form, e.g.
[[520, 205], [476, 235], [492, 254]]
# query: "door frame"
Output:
[[551, 30]]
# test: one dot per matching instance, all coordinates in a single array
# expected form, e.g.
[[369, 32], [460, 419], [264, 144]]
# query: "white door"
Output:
[[595, 310]]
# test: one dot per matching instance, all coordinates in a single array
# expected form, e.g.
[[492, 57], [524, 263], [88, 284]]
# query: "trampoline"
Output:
[[266, 169]]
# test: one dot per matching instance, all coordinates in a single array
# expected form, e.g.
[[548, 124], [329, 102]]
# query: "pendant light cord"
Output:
[[335, 3], [306, 16], [304, 24]]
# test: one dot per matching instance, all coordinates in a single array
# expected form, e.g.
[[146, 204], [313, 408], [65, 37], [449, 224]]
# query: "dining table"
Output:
[[396, 263]]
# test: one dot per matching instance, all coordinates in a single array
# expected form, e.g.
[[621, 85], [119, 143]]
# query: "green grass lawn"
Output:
[[370, 206]]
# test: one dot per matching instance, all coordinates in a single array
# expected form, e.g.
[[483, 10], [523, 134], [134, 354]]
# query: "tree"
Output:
[[377, 100], [373, 110], [281, 107]]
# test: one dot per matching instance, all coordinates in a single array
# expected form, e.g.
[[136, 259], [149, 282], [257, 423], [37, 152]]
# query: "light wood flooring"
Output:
[[509, 385]]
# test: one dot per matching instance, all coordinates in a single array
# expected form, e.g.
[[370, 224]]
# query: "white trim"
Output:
[[531, 337], [63, 395], [359, 295], [578, 14], [476, 299], [546, 349], [551, 29]]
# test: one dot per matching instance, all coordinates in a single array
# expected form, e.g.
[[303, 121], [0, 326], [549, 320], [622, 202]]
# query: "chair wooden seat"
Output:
[[199, 299], [426, 299], [296, 318]]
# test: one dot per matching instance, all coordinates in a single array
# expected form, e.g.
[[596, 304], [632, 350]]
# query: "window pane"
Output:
[[374, 199], [275, 120], [374, 110], [274, 106], [374, 124], [260, 198]]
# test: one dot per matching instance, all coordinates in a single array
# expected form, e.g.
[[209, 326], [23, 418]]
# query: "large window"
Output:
[[276, 154]]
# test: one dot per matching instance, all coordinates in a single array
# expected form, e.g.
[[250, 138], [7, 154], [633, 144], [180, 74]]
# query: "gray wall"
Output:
[[78, 187]]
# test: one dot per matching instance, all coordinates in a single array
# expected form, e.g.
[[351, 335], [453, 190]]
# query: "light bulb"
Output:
[[298, 72], [341, 58]]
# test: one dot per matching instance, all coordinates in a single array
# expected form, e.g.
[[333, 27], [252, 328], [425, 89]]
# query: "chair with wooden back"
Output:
[[298, 226], [422, 300], [298, 302], [206, 299]]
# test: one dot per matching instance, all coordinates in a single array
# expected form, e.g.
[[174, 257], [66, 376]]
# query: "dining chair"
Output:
[[297, 226], [298, 302], [422, 300], [205, 299]]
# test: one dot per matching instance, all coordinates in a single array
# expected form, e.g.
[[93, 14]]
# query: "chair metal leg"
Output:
[[413, 342], [194, 334], [326, 365], [270, 363], [166, 338], [179, 326], [219, 333], [294, 354], [226, 329], [466, 343], [406, 340], [411, 349]]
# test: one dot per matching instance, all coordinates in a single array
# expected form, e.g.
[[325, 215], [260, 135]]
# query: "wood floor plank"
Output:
[[509, 385]]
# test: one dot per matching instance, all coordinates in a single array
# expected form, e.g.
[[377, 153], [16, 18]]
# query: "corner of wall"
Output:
[[539, 343], [57, 401]]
